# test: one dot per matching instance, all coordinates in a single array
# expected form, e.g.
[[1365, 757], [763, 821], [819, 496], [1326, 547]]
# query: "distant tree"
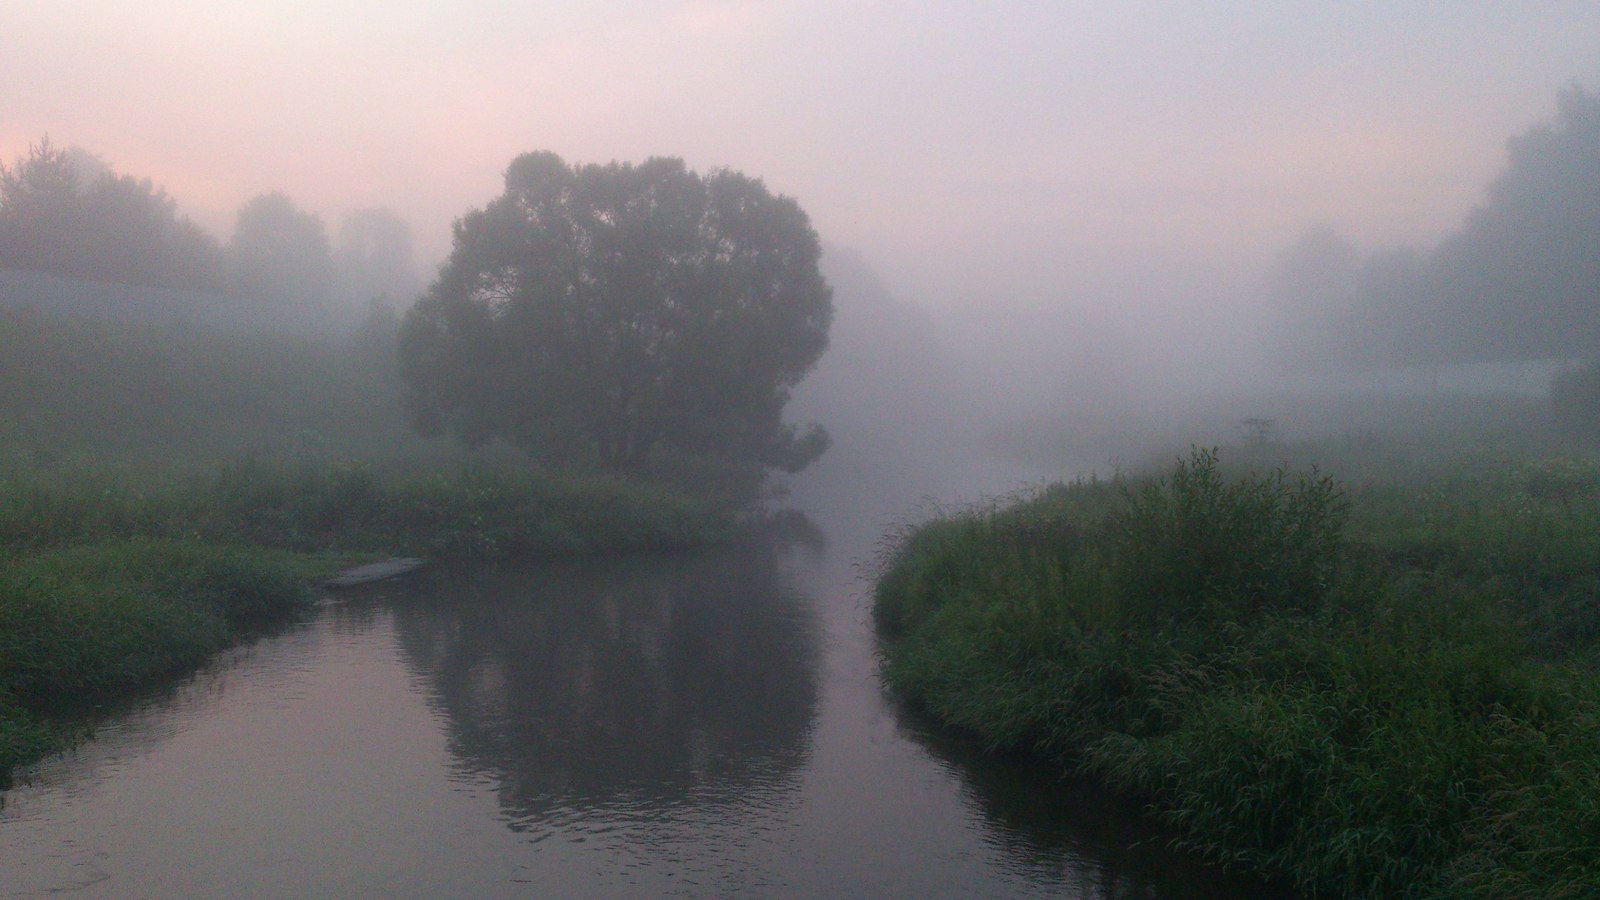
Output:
[[63, 210], [1525, 270], [1520, 280], [281, 255], [40, 209], [138, 237], [1312, 289], [618, 308], [373, 260]]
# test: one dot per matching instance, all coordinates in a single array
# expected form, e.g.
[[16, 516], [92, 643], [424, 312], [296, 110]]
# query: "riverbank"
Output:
[[1390, 687], [112, 579]]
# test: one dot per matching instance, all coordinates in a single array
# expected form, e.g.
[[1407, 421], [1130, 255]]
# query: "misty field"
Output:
[[1383, 688], [166, 491]]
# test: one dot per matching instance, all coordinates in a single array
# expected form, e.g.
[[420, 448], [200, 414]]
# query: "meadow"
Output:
[[1385, 683], [166, 491]]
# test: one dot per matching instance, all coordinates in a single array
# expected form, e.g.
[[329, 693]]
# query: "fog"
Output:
[[1057, 220]]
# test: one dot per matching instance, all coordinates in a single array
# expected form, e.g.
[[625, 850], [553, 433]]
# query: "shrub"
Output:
[[1194, 545]]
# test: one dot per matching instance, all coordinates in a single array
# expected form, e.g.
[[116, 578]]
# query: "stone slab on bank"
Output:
[[377, 571]]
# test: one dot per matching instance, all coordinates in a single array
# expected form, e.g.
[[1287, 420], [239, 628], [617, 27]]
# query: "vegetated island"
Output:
[[1389, 689]]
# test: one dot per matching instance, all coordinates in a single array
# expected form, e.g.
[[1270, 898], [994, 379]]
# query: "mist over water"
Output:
[[1060, 241]]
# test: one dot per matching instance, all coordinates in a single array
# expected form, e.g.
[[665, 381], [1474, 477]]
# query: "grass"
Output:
[[110, 579], [1383, 689], [84, 621], [447, 507], [165, 489]]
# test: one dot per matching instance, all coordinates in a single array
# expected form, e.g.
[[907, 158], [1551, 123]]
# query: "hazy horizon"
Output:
[[1072, 192], [942, 142]]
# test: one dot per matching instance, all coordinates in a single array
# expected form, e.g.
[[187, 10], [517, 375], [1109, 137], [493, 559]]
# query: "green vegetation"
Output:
[[352, 509], [613, 314], [111, 581], [1575, 401], [166, 491], [1383, 689], [80, 622]]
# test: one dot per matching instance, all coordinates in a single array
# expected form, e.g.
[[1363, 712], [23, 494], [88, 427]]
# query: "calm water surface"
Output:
[[706, 724]]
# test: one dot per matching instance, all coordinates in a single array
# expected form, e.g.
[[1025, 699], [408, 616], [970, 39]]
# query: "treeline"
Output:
[[64, 211], [1517, 281]]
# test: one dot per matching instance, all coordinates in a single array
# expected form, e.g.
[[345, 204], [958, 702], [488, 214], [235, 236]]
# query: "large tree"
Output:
[[615, 309]]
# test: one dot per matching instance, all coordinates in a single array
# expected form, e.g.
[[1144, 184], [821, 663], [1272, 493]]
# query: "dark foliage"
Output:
[[1406, 711], [1575, 402], [600, 312]]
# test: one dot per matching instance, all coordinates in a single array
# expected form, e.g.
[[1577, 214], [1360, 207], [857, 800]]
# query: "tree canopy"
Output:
[[64, 211], [1526, 262], [609, 310], [1519, 280]]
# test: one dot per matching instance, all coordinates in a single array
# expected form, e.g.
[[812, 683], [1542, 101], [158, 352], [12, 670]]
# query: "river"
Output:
[[693, 724]]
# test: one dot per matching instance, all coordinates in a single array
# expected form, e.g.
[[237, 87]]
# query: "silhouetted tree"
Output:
[[62, 210], [1520, 280], [1575, 401], [619, 308], [39, 209], [280, 255], [1525, 268]]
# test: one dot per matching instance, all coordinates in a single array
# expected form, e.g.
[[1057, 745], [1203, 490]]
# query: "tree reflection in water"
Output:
[[619, 689]]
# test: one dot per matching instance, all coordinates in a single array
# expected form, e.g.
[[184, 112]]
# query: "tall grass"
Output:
[[109, 579], [1388, 690], [80, 622]]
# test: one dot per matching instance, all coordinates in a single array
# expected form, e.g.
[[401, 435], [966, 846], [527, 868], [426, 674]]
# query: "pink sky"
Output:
[[965, 148]]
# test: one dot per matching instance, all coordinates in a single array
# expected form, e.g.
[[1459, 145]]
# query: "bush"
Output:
[[1194, 545]]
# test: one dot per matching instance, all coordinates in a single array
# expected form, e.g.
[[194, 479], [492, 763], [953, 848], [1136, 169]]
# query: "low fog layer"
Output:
[[1058, 239]]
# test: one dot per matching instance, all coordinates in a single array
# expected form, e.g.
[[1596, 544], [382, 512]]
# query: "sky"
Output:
[[996, 161]]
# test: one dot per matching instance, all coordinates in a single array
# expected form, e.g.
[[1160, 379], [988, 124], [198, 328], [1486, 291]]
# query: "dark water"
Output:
[[704, 724]]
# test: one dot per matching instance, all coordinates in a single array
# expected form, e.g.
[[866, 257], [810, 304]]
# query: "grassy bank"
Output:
[[448, 507], [1385, 689], [110, 579], [80, 622]]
